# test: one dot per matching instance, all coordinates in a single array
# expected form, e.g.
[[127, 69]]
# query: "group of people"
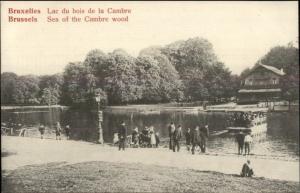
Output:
[[197, 138], [243, 119], [146, 138], [244, 141], [149, 138], [58, 131], [10, 126], [175, 135]]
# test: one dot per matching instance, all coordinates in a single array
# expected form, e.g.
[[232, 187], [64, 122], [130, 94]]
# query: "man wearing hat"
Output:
[[122, 136], [204, 133]]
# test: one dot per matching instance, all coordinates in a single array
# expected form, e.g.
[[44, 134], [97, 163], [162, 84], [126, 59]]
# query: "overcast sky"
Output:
[[241, 32]]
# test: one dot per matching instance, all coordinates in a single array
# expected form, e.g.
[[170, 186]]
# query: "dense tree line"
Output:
[[181, 71], [30, 89]]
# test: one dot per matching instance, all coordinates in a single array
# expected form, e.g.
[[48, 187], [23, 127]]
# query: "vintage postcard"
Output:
[[197, 96]]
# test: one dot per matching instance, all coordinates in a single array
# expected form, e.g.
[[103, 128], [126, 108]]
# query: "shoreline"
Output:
[[163, 107], [31, 151], [15, 107]]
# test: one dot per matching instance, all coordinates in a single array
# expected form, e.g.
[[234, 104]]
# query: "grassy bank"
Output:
[[120, 177]]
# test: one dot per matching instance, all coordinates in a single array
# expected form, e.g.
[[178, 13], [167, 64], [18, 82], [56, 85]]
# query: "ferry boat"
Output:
[[253, 121]]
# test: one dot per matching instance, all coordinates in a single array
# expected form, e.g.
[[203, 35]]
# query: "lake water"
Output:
[[280, 142]]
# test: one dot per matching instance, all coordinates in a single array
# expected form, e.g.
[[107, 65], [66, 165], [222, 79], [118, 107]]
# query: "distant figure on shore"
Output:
[[157, 139], [58, 131], [135, 137], [177, 137], [204, 133], [248, 140], [171, 130], [152, 136], [22, 131], [42, 130], [122, 134], [195, 139], [67, 130], [247, 171], [188, 139], [240, 141]]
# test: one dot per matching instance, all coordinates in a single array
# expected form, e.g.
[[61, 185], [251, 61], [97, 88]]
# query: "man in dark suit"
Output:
[[171, 130], [122, 136], [204, 133], [176, 138], [240, 137]]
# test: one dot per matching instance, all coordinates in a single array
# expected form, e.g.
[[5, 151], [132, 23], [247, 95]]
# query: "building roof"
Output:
[[273, 69], [270, 68], [259, 90]]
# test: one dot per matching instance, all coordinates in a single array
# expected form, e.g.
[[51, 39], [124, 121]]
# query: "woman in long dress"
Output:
[[152, 137]]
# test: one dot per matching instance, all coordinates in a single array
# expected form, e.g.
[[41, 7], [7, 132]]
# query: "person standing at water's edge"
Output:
[[157, 139], [188, 139], [67, 130], [248, 140], [152, 137], [122, 136], [58, 131], [240, 141], [135, 137], [204, 133], [177, 136], [42, 130], [195, 139], [171, 129]]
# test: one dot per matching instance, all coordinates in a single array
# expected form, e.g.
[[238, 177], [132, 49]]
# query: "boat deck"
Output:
[[255, 130]]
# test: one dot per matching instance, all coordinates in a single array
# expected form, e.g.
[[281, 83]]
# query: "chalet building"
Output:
[[261, 84]]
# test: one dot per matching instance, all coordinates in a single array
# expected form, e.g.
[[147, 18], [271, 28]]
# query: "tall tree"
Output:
[[79, 84], [28, 87], [204, 77], [8, 87], [50, 89], [170, 85], [121, 82], [97, 60]]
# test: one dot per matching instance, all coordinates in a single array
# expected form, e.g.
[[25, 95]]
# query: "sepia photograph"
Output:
[[149, 96]]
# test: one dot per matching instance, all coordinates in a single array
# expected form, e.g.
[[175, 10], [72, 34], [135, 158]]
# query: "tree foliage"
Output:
[[121, 81], [203, 76], [183, 70]]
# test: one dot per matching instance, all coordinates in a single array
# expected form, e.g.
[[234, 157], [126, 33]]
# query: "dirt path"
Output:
[[30, 151]]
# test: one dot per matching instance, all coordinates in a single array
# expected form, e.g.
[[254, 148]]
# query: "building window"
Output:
[[250, 82], [274, 81]]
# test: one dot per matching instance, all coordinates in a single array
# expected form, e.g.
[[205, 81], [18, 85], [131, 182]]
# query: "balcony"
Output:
[[270, 86]]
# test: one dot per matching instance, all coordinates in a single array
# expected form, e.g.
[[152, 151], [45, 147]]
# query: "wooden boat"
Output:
[[255, 124]]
